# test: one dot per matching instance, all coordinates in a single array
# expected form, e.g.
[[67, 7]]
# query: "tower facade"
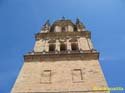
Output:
[[63, 61]]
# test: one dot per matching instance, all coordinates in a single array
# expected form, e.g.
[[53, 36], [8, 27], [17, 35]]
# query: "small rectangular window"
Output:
[[77, 75], [63, 47], [51, 47], [46, 76]]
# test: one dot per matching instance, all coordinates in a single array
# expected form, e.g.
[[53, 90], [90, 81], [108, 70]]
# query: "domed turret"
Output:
[[46, 27], [63, 25], [79, 25]]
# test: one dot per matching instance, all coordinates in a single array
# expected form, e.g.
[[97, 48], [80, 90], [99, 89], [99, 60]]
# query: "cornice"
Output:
[[86, 34], [39, 57]]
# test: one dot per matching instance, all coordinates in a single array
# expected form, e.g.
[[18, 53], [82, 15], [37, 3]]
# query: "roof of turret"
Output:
[[63, 22]]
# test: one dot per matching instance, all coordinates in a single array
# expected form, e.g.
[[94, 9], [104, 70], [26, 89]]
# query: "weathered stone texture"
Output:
[[61, 76], [63, 61]]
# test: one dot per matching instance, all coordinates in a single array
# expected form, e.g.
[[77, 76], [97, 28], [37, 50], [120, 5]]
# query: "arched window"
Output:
[[62, 47], [64, 29], [74, 46], [52, 47]]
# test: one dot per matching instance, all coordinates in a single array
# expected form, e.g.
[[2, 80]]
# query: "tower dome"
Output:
[[62, 26]]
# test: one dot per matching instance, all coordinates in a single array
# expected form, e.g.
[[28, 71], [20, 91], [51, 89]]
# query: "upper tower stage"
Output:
[[62, 39]]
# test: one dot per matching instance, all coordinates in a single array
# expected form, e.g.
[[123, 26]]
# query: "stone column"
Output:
[[90, 43], [46, 48], [79, 45], [43, 45], [57, 45], [68, 45]]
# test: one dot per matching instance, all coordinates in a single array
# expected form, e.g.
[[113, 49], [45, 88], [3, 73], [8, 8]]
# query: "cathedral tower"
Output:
[[63, 61]]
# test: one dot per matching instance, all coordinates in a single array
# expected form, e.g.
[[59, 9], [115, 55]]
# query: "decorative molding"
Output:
[[60, 56], [86, 34]]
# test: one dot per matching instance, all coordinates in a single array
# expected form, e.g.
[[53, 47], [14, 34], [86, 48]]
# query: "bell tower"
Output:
[[63, 61]]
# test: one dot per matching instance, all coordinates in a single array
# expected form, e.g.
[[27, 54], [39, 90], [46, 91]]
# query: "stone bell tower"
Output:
[[63, 61]]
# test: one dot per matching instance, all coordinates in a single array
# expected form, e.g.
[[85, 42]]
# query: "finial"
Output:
[[63, 18], [77, 21], [47, 22]]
